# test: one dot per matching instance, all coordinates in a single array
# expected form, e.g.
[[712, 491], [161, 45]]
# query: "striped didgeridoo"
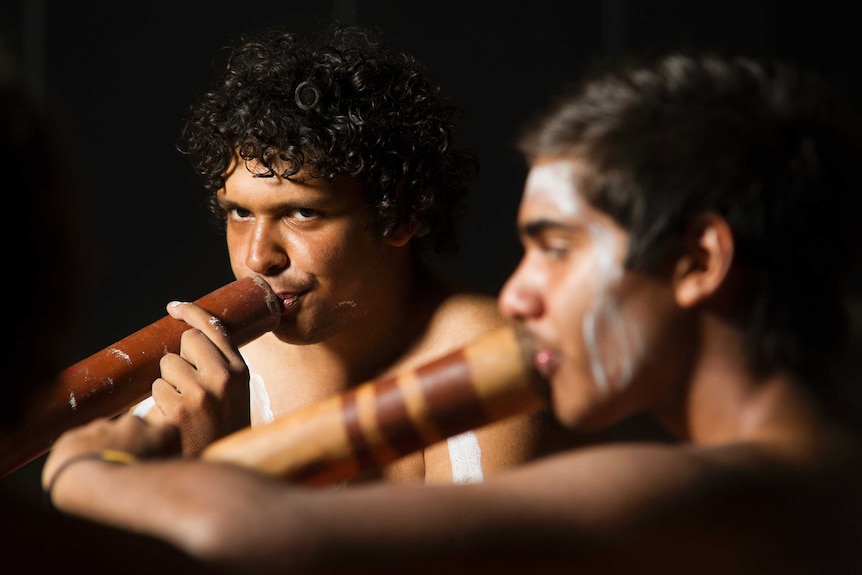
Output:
[[114, 379], [381, 420]]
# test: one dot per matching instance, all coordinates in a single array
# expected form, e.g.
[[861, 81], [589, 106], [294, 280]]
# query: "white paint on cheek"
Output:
[[73, 402], [465, 455], [591, 341], [613, 342]]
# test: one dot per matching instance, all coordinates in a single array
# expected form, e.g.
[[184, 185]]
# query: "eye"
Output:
[[555, 249], [304, 214], [238, 214], [555, 253]]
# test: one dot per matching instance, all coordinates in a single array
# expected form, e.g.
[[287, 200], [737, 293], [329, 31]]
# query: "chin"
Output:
[[568, 413], [290, 334], [576, 404]]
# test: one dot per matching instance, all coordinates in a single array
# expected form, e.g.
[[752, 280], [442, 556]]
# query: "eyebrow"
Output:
[[314, 201], [226, 204], [538, 227]]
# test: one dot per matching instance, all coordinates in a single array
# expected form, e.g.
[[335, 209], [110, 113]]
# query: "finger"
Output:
[[200, 319], [211, 326], [181, 386], [187, 382], [177, 372], [195, 349], [205, 363], [143, 439]]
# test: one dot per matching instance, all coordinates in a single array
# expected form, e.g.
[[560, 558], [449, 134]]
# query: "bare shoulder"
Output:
[[707, 510], [462, 316], [470, 313], [612, 476]]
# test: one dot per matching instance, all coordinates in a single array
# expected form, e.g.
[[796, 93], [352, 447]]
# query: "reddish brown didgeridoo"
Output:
[[379, 421], [116, 378]]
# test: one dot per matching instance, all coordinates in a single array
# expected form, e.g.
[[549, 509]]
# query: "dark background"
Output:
[[121, 74]]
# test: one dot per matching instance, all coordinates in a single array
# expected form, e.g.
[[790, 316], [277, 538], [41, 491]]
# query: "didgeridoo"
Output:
[[381, 420], [116, 378]]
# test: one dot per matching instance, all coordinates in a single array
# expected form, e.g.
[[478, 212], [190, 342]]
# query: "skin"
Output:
[[571, 291], [760, 480], [346, 291], [550, 187]]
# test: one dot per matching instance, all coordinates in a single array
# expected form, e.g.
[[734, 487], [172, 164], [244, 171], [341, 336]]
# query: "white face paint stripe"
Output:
[[555, 184], [605, 246], [465, 455], [590, 340], [626, 345], [544, 183], [631, 345]]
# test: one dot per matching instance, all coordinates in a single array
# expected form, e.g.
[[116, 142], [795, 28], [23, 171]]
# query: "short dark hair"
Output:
[[344, 102], [771, 148]]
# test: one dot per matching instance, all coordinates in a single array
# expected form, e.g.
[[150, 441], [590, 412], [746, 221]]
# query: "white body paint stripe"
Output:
[[144, 407], [465, 456], [260, 407]]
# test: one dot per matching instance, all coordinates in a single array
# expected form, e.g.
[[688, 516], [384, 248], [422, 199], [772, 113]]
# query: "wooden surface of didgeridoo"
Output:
[[119, 376], [379, 421]]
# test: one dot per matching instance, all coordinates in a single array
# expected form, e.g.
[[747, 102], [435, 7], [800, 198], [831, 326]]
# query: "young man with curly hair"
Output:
[[333, 164], [689, 224]]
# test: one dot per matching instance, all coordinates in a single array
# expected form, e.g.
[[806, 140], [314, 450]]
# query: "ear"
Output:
[[703, 266], [405, 230], [402, 234]]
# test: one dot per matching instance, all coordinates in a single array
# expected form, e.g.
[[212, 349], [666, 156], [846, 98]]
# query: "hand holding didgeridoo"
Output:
[[117, 377]]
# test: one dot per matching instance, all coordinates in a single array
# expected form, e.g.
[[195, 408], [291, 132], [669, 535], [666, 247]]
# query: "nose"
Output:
[[520, 298], [266, 251]]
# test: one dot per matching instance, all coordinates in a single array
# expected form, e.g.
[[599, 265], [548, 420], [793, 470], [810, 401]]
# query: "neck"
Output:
[[726, 401]]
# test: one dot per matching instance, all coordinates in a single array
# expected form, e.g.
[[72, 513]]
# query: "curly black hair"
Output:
[[343, 103]]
